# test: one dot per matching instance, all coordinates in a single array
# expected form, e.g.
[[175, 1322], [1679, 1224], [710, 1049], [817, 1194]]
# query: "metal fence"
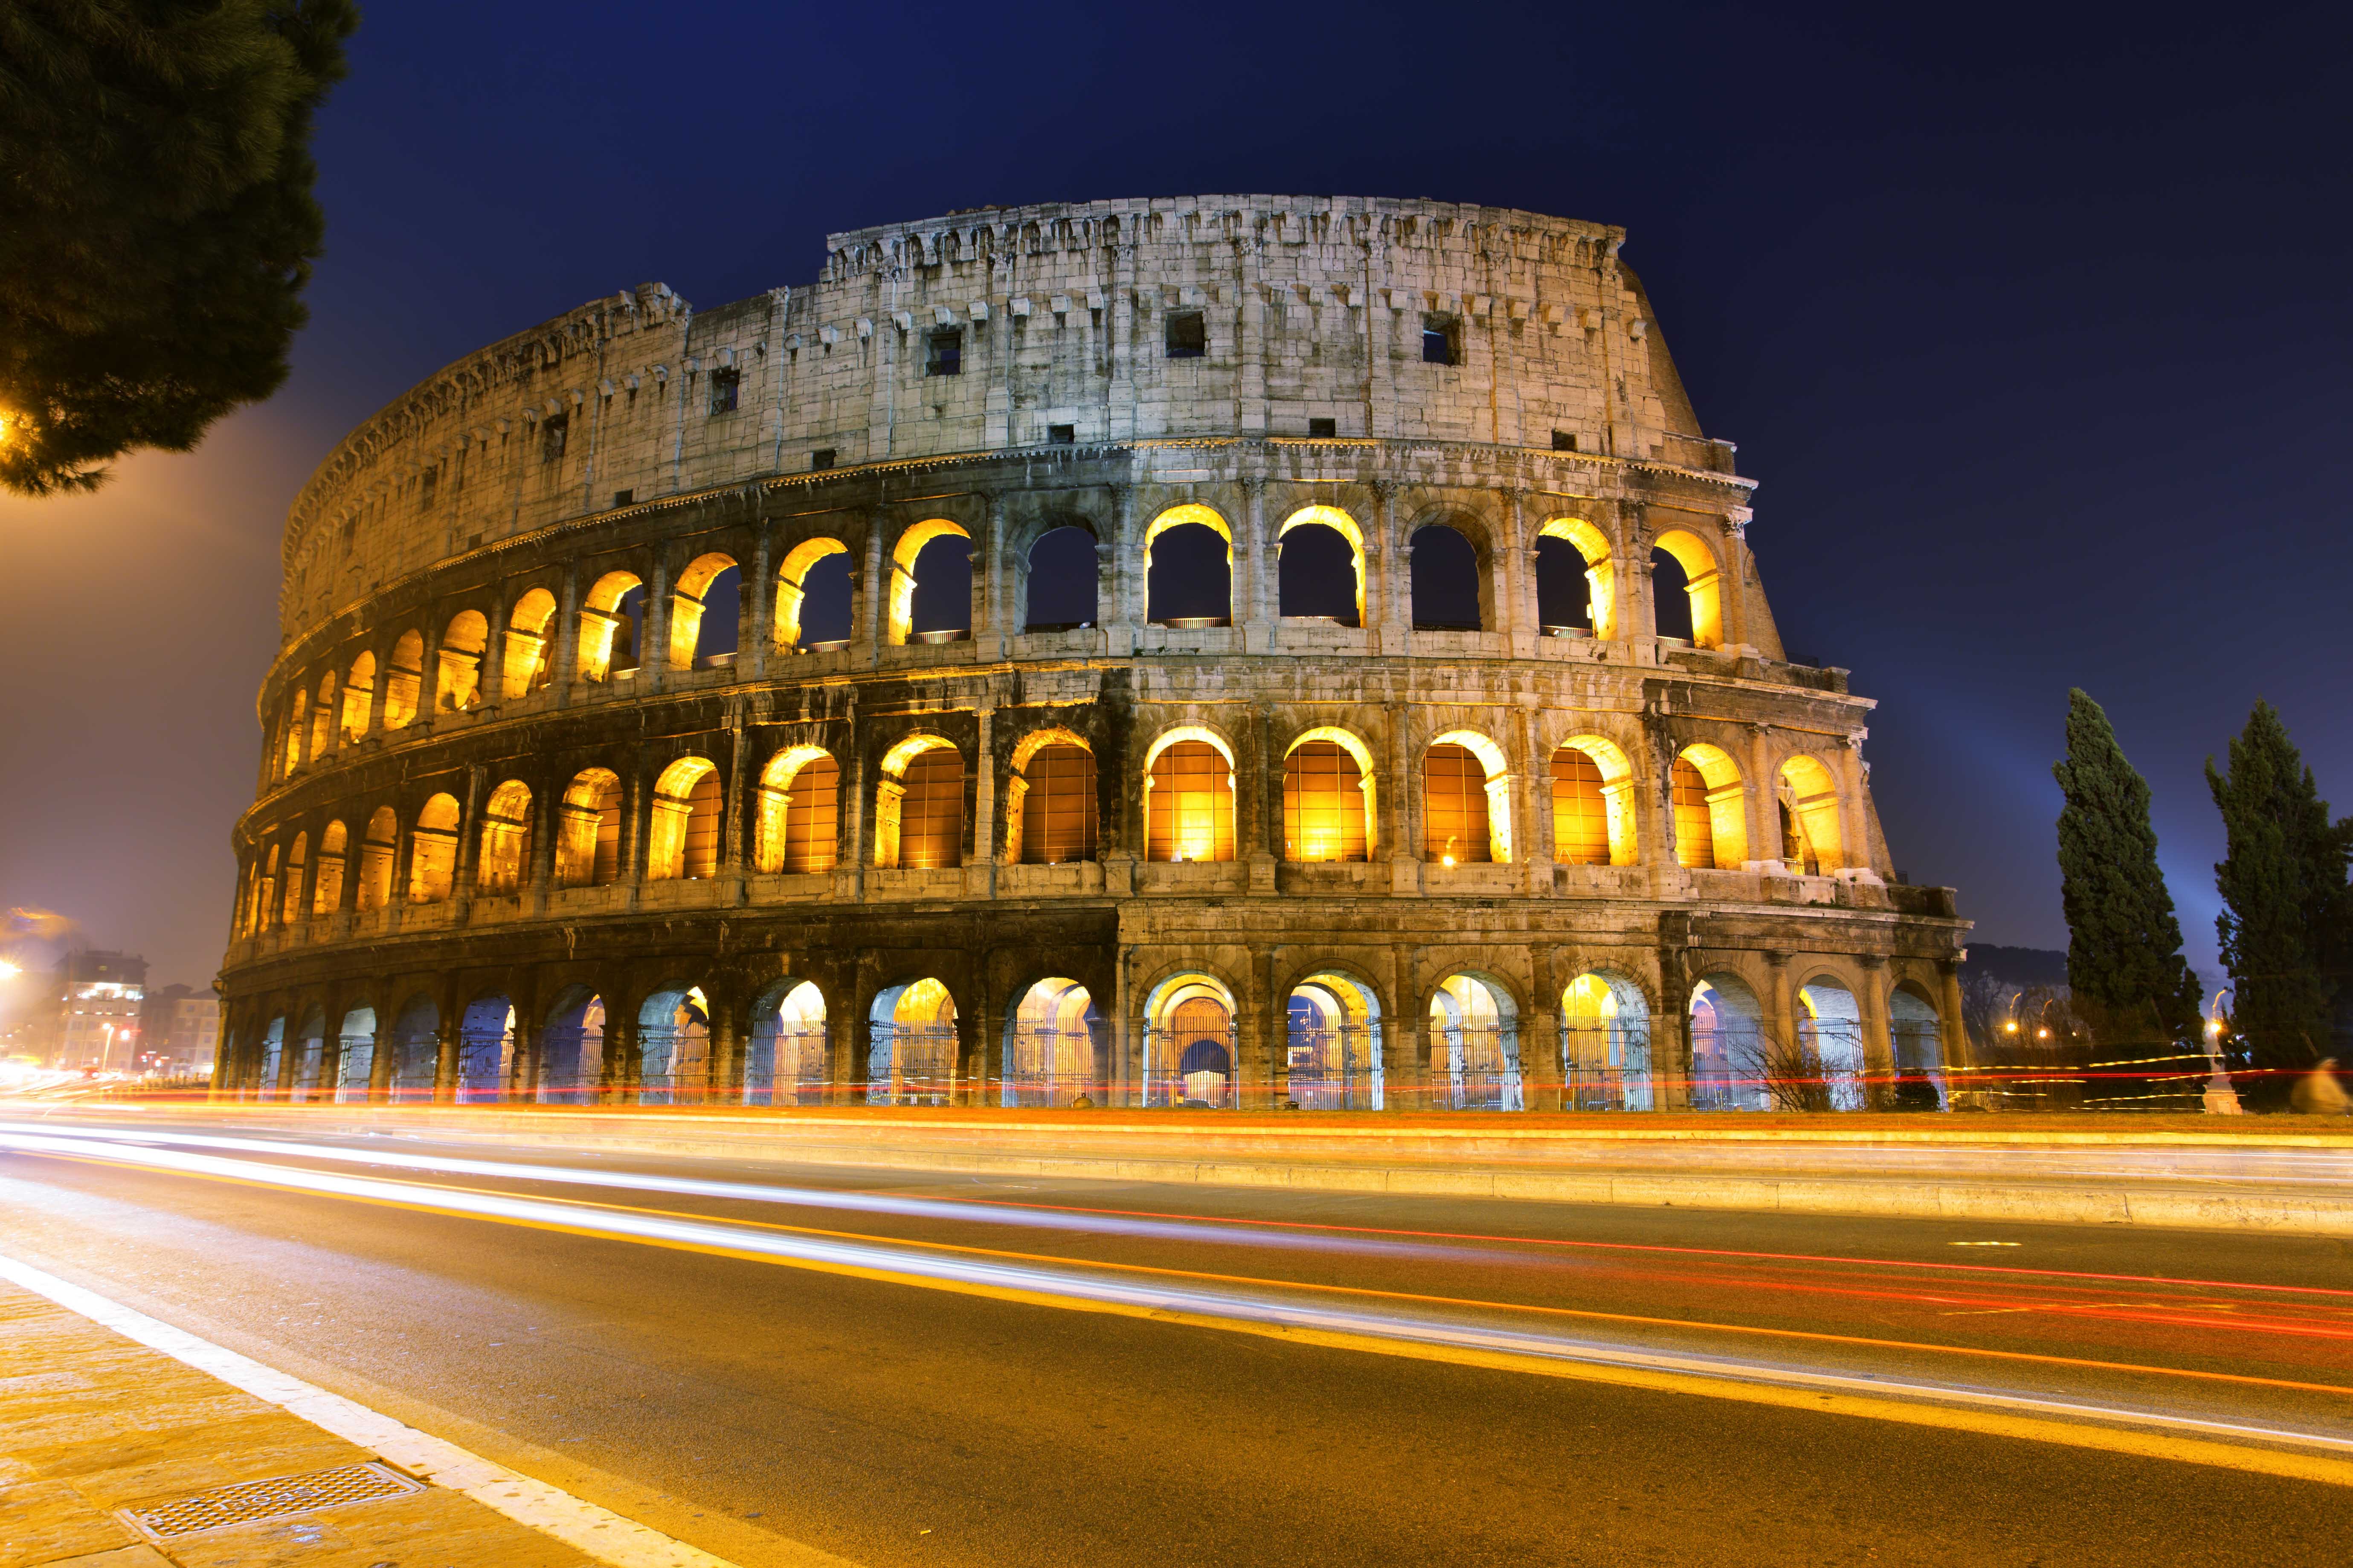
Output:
[[1334, 1068], [1474, 1070], [789, 1066], [1191, 1067], [1606, 1066], [1055, 1067], [912, 1064]]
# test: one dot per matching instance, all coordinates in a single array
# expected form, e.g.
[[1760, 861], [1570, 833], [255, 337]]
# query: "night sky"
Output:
[[2035, 331]]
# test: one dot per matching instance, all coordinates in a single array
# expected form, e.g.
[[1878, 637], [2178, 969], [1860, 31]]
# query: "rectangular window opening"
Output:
[[552, 432], [724, 385], [1442, 340], [1187, 335], [1563, 441], [1322, 427], [624, 498], [943, 352], [821, 459], [1062, 434]]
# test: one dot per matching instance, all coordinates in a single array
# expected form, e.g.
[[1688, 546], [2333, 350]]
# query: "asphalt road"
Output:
[[941, 1370]]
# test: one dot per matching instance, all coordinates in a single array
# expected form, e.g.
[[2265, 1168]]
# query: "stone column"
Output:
[[724, 1068], [462, 873], [448, 1035], [1393, 611], [733, 817], [1122, 571], [1540, 1066], [490, 687], [1878, 1045], [1764, 802], [1260, 596], [383, 1057], [563, 664], [980, 862], [1403, 817], [1854, 815], [1783, 1001], [990, 610], [759, 642], [634, 834], [653, 637], [547, 817], [1734, 578], [1636, 621], [1515, 580], [1409, 1035]]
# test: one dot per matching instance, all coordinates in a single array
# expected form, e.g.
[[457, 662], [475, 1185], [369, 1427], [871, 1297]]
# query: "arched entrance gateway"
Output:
[[1241, 719]]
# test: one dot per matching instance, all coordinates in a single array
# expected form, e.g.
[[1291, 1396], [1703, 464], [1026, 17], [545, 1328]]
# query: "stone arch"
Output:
[[1188, 796], [1593, 815], [355, 1053], [1051, 811], [800, 599], [1466, 799], [609, 633], [486, 1041], [1702, 582], [912, 1054], [298, 864], [1353, 536], [1319, 767], [1332, 1034], [1916, 1031], [1599, 610], [1827, 1063], [899, 600], [322, 717], [1473, 1027], [673, 1045], [309, 1047], [919, 804], [524, 667], [788, 1057], [1061, 579], [1190, 1052], [404, 679], [359, 696], [1605, 1036], [290, 733], [1711, 809], [1729, 1044], [798, 825], [433, 853], [1448, 585], [683, 828], [1057, 1048], [416, 1046], [572, 1048], [588, 830], [378, 853], [458, 686], [689, 639], [327, 884], [272, 1048], [504, 858], [1812, 834], [1163, 571]]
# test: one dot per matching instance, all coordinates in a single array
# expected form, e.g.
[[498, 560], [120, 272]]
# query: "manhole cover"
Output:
[[279, 1496]]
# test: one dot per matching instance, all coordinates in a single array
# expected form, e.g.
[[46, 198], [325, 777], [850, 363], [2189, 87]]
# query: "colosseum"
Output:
[[1254, 652]]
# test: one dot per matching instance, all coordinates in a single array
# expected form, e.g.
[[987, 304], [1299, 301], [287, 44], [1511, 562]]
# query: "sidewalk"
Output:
[[92, 1423]]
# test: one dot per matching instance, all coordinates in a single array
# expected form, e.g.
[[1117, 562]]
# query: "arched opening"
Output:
[[1320, 565], [265, 902], [404, 680], [1466, 815], [298, 863], [1711, 810], [813, 596], [1188, 567], [273, 1046], [506, 839], [1056, 1047], [608, 625], [1812, 841], [789, 1059], [1826, 1072], [377, 853], [682, 834], [310, 1055], [1049, 800], [290, 736], [416, 1046], [1474, 1046], [1332, 1051], [912, 1056], [524, 669], [1445, 581], [1327, 798], [322, 717], [355, 1056], [1605, 1036], [588, 830], [1062, 580], [458, 687], [799, 825], [1593, 811], [1189, 797], [1916, 1031], [433, 853], [1189, 1051], [674, 1048], [1729, 1047], [930, 598], [1574, 592], [919, 806], [485, 1050], [572, 1049], [359, 697], [705, 610], [1681, 559], [327, 887]]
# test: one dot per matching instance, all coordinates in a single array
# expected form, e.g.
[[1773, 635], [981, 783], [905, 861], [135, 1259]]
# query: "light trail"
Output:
[[2275, 1450]]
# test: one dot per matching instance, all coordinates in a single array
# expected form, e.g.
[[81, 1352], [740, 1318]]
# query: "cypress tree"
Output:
[[2123, 940], [156, 221], [2286, 908]]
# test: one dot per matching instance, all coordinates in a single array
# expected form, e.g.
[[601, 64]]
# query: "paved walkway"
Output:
[[92, 1423]]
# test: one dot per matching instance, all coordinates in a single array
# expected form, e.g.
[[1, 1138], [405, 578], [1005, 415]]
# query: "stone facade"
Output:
[[449, 711]]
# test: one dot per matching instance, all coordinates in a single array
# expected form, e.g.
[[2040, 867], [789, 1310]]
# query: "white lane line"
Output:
[[1072, 1283], [580, 1524]]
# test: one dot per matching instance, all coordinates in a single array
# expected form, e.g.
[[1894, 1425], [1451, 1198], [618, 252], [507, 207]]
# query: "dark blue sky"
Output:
[[2035, 328]]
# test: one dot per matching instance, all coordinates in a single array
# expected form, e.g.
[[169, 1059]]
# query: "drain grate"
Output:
[[276, 1497]]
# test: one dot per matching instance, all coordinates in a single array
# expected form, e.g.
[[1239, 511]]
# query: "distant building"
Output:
[[181, 1027], [101, 996]]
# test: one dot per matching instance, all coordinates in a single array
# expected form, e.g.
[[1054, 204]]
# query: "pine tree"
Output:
[[156, 221], [2286, 907], [2123, 940]]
